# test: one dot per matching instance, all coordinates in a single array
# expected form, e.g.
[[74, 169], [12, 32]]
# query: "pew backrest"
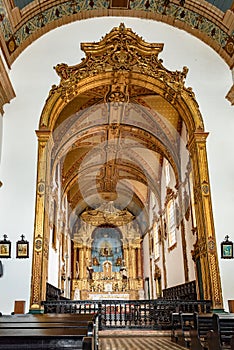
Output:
[[203, 323], [26, 329], [224, 326]]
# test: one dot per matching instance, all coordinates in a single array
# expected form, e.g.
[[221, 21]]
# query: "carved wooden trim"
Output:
[[230, 95], [6, 90]]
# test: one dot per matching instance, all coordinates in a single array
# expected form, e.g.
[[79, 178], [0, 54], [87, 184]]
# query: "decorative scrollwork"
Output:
[[120, 51]]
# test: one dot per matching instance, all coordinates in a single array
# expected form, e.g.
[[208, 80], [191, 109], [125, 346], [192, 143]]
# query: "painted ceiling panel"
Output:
[[223, 5], [22, 3]]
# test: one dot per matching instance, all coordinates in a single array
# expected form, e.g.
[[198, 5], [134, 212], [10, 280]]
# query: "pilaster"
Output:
[[40, 244], [205, 250]]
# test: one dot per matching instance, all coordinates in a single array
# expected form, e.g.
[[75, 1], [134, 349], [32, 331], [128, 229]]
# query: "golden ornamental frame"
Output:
[[103, 67]]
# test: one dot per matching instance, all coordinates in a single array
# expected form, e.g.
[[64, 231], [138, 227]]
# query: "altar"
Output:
[[107, 263]]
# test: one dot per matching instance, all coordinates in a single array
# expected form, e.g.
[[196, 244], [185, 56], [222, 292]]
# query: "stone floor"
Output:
[[136, 340]]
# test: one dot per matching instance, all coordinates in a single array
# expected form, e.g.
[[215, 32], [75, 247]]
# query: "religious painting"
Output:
[[106, 249], [227, 249], [5, 248], [22, 249]]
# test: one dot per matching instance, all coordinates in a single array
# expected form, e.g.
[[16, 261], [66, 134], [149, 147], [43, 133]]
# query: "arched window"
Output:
[[156, 241], [167, 172], [171, 222]]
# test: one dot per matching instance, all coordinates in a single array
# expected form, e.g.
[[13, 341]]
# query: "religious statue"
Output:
[[90, 272], [107, 269], [95, 261]]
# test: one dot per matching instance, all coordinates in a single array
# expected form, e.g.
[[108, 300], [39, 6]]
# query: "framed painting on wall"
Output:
[[5, 248], [22, 249], [227, 249]]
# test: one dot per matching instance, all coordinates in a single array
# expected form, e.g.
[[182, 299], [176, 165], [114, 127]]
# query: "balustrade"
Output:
[[186, 291], [151, 314]]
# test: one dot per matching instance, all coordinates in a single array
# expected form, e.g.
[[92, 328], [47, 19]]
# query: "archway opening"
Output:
[[122, 149]]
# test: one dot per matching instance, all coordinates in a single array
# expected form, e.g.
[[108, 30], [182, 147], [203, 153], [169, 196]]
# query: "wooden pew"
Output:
[[181, 325], [176, 326], [58, 331], [203, 323], [221, 337]]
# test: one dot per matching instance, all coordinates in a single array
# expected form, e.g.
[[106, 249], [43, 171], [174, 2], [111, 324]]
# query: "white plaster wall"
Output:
[[53, 267], [190, 241], [32, 76], [174, 263]]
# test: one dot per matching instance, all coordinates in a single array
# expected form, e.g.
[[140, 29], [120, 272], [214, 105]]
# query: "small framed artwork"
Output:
[[22, 248], [227, 249], [5, 248]]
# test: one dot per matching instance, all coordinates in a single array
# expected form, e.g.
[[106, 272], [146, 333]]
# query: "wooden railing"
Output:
[[54, 293], [150, 314], [185, 291]]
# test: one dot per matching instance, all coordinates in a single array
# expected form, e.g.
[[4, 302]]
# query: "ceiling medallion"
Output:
[[107, 213]]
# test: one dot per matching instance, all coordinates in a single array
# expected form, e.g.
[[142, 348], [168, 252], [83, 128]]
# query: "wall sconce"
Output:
[[227, 249]]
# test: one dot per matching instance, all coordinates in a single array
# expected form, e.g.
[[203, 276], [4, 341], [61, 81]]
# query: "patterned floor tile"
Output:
[[138, 343]]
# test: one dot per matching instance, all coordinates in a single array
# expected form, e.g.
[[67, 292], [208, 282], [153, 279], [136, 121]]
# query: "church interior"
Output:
[[116, 200]]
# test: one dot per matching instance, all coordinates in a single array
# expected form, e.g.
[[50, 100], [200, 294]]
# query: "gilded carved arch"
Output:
[[114, 60], [121, 64]]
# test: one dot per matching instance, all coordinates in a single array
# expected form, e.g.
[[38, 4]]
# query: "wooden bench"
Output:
[[76, 331], [181, 326], [203, 323], [222, 335]]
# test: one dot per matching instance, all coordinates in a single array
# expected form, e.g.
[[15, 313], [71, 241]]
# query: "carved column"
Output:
[[84, 262], [81, 262], [88, 255], [126, 256], [74, 268], [205, 254], [41, 227], [139, 265], [133, 261]]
